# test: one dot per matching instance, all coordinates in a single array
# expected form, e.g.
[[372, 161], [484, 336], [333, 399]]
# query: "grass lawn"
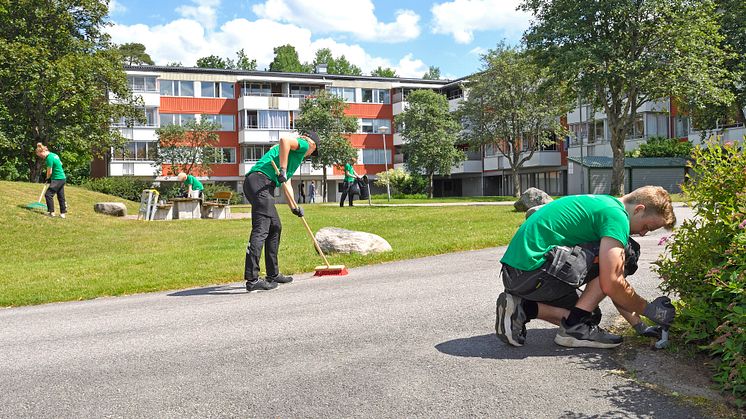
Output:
[[89, 255]]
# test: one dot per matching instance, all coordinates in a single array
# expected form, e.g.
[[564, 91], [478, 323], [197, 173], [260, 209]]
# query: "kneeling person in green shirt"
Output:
[[548, 259], [259, 188], [193, 185], [56, 179]]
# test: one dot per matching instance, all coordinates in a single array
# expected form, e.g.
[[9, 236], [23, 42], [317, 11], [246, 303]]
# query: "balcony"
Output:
[[305, 169], [398, 139], [734, 134], [262, 135], [547, 158], [468, 166], [150, 99], [399, 107], [140, 133], [132, 168], [281, 103]]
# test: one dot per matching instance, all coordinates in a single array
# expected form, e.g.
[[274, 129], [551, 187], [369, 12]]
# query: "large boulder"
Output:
[[531, 198], [116, 209], [339, 240]]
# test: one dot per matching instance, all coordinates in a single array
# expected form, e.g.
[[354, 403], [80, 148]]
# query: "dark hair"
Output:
[[315, 137]]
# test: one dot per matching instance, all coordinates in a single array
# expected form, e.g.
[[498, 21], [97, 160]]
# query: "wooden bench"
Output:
[[218, 207]]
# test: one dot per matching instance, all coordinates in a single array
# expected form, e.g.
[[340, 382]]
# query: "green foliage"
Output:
[[622, 54], [212, 188], [433, 73], [124, 187], [133, 53], [286, 60], [402, 183], [706, 263], [57, 72], [339, 65], [384, 197], [663, 147], [212, 61], [514, 105], [190, 148], [732, 15], [242, 62], [383, 72], [430, 134]]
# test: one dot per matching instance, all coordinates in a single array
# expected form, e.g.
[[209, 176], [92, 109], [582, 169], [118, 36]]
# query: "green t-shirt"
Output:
[[196, 184], [55, 163], [568, 221], [295, 158], [349, 169]]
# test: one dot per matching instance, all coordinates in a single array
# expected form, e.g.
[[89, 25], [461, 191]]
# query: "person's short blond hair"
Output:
[[657, 201], [41, 148], [181, 176]]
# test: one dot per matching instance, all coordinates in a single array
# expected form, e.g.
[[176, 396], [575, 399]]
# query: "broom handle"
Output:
[[291, 203], [44, 189]]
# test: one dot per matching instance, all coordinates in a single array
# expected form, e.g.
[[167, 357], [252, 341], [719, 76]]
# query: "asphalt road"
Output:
[[405, 339]]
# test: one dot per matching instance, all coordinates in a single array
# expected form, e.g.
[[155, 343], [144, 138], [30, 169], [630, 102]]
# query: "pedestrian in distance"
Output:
[[349, 181], [56, 178], [302, 192], [312, 192], [259, 188], [554, 252], [193, 185]]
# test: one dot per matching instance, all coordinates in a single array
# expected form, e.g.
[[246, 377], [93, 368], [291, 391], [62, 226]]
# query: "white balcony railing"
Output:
[[262, 136]]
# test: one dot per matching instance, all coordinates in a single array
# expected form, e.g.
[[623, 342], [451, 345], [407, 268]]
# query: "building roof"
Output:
[[604, 162]]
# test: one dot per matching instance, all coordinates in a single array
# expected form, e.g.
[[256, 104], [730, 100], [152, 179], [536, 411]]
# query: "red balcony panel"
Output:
[[370, 110], [198, 105], [373, 141]]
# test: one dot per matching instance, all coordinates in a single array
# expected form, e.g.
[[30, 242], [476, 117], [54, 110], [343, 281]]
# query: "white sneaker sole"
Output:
[[505, 324], [571, 342]]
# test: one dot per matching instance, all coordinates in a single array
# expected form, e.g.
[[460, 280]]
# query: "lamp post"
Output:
[[383, 130]]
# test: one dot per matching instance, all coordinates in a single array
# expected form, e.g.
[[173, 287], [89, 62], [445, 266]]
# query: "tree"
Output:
[[213, 61], [433, 73], [324, 113], [430, 133], [243, 62], [384, 72], [622, 54], [57, 72], [174, 64], [513, 106], [732, 14], [134, 54], [286, 60], [190, 148], [338, 65]]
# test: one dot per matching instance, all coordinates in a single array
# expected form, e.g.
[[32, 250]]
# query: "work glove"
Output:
[[648, 331], [298, 211], [48, 180], [661, 311], [282, 177]]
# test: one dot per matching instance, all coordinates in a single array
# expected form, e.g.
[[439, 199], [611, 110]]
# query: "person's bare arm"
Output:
[[287, 144], [612, 280], [632, 318], [49, 172]]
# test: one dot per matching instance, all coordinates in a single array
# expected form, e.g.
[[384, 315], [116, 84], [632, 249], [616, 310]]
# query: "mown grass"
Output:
[[90, 255]]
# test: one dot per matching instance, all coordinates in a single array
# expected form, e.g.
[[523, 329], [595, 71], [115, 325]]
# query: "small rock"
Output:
[[531, 198], [339, 240], [116, 209], [532, 210]]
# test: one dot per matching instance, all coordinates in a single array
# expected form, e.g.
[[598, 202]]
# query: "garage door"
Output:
[[669, 178]]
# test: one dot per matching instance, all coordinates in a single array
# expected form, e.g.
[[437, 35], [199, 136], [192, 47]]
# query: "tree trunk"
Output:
[[618, 135], [323, 184], [516, 183], [430, 185]]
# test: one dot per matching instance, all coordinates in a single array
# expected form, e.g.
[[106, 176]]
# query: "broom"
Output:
[[322, 270], [38, 204]]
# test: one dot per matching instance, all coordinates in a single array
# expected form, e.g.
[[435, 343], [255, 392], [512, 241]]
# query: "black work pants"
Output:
[[265, 226], [346, 192], [57, 187]]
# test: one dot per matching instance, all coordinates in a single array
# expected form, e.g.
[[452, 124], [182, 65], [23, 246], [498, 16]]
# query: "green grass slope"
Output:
[[90, 255]]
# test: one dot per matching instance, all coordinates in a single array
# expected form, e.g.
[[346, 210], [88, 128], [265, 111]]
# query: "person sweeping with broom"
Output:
[[56, 179], [259, 188]]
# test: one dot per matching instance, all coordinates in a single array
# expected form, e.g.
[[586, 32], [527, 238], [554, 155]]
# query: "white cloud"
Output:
[[478, 51], [186, 40], [356, 17], [461, 18], [203, 11], [116, 7]]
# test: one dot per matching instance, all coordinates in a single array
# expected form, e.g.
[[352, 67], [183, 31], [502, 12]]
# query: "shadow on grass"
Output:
[[231, 289]]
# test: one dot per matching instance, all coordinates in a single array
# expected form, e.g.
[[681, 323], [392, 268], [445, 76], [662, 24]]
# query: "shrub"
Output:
[[662, 147], [402, 182], [706, 264], [212, 188], [123, 187]]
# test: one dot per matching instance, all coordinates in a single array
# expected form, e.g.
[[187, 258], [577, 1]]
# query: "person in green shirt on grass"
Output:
[[259, 188], [55, 177], [349, 181], [574, 241], [193, 185]]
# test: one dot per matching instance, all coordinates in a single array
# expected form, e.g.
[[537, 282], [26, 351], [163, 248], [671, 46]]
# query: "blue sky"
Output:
[[408, 36]]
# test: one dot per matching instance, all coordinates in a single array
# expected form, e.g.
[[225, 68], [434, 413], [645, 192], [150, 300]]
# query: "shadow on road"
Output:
[[540, 343], [232, 289]]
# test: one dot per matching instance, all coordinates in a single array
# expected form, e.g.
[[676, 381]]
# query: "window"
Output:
[[682, 126], [176, 119], [256, 89], [375, 156], [218, 89], [151, 119], [248, 119], [657, 125], [141, 83], [253, 152], [226, 122], [346, 93], [299, 90], [177, 88], [637, 130], [135, 150], [373, 126], [376, 96], [227, 156], [274, 120]]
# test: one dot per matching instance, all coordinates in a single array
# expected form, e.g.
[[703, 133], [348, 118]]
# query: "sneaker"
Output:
[[62, 215], [260, 285], [510, 319], [51, 214], [280, 279], [586, 335]]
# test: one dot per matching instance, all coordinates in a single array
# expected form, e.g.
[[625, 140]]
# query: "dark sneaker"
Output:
[[260, 285], [586, 335], [280, 279], [510, 320]]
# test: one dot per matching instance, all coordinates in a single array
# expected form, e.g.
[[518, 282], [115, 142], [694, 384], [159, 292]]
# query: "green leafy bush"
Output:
[[706, 264], [400, 196], [662, 147], [212, 188], [123, 187], [402, 182]]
